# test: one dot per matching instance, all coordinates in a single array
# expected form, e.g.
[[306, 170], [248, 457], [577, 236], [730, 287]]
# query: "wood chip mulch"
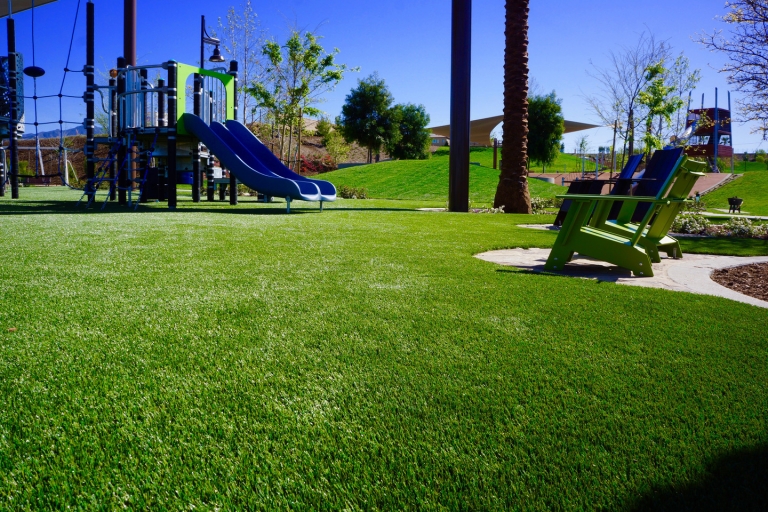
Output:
[[750, 280]]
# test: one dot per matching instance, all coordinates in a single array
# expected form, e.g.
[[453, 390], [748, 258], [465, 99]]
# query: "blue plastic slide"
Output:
[[262, 153], [246, 168]]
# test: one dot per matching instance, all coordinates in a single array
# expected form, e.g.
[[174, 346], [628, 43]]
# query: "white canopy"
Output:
[[480, 129]]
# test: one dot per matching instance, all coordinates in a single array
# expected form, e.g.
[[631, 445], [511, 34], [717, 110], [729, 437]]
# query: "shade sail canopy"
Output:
[[480, 129], [20, 5]]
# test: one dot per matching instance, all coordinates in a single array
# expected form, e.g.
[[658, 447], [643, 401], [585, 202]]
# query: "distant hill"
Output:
[[427, 180], [52, 134]]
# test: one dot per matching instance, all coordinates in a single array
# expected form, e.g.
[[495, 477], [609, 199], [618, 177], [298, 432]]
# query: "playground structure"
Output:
[[156, 139], [708, 133]]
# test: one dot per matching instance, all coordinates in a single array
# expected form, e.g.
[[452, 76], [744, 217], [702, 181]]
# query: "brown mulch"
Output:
[[750, 280]]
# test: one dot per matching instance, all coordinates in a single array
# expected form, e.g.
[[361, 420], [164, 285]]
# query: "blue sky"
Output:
[[407, 42]]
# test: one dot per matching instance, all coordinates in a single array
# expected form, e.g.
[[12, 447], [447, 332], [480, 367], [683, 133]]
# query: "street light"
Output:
[[206, 39]]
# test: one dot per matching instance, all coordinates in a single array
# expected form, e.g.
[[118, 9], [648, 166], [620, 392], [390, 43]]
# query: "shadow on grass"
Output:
[[42, 207], [737, 481]]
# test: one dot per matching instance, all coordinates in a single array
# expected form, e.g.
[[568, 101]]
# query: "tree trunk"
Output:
[[512, 192], [631, 131]]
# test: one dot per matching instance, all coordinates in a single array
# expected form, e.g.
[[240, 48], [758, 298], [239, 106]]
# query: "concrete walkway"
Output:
[[690, 274]]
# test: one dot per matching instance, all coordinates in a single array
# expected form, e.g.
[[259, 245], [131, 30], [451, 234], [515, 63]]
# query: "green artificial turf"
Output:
[[427, 180], [752, 187], [245, 359]]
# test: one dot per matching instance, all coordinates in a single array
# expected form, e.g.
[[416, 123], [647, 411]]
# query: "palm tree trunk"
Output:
[[512, 192]]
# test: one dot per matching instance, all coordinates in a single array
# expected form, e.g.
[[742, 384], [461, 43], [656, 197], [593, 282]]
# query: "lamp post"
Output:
[[206, 39]]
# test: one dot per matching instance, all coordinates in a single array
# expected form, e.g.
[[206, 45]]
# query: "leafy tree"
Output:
[[413, 143], [323, 128], [747, 48], [656, 98], [297, 75], [366, 117], [682, 80], [337, 149], [545, 128], [512, 192]]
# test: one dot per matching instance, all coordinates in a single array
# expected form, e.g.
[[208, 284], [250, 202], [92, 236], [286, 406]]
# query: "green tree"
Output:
[[323, 128], [545, 128], [366, 117], [411, 121], [656, 98], [337, 149], [298, 74]]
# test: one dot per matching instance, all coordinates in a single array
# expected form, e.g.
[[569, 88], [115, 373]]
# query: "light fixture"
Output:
[[216, 57], [205, 38]]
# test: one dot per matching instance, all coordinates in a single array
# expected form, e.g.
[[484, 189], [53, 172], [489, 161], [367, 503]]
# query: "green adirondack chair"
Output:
[[655, 237], [629, 245]]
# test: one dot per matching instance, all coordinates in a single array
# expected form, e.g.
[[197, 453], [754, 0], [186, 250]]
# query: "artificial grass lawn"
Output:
[[427, 180], [242, 358], [752, 187]]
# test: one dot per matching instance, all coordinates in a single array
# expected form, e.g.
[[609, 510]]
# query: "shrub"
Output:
[[500, 209], [693, 224], [347, 192], [323, 128], [742, 227], [760, 159], [724, 165], [316, 165], [338, 150], [539, 205]]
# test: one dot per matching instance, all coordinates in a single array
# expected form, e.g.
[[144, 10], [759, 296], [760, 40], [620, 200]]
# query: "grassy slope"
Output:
[[752, 187], [427, 180], [246, 359]]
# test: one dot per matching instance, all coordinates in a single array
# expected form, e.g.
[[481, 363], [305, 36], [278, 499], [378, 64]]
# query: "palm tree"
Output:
[[512, 192]]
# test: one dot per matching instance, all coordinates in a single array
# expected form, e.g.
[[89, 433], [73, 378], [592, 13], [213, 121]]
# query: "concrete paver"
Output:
[[689, 274]]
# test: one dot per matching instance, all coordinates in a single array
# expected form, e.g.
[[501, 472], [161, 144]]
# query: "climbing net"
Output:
[[35, 72]]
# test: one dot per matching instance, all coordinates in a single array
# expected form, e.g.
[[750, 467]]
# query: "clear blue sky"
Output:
[[407, 42]]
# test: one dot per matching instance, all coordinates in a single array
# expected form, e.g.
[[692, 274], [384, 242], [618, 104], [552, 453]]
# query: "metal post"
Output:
[[461, 69], [613, 148], [495, 153], [122, 168], [12, 146], [730, 122], [129, 31], [232, 180], [3, 173], [65, 176], [113, 134], [716, 133], [144, 86], [210, 184], [202, 42], [171, 178], [161, 123], [196, 147]]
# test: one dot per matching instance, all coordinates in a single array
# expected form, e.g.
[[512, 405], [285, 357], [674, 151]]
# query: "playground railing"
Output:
[[143, 105]]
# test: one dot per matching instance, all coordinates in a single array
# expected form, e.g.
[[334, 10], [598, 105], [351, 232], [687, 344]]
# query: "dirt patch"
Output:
[[750, 280]]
